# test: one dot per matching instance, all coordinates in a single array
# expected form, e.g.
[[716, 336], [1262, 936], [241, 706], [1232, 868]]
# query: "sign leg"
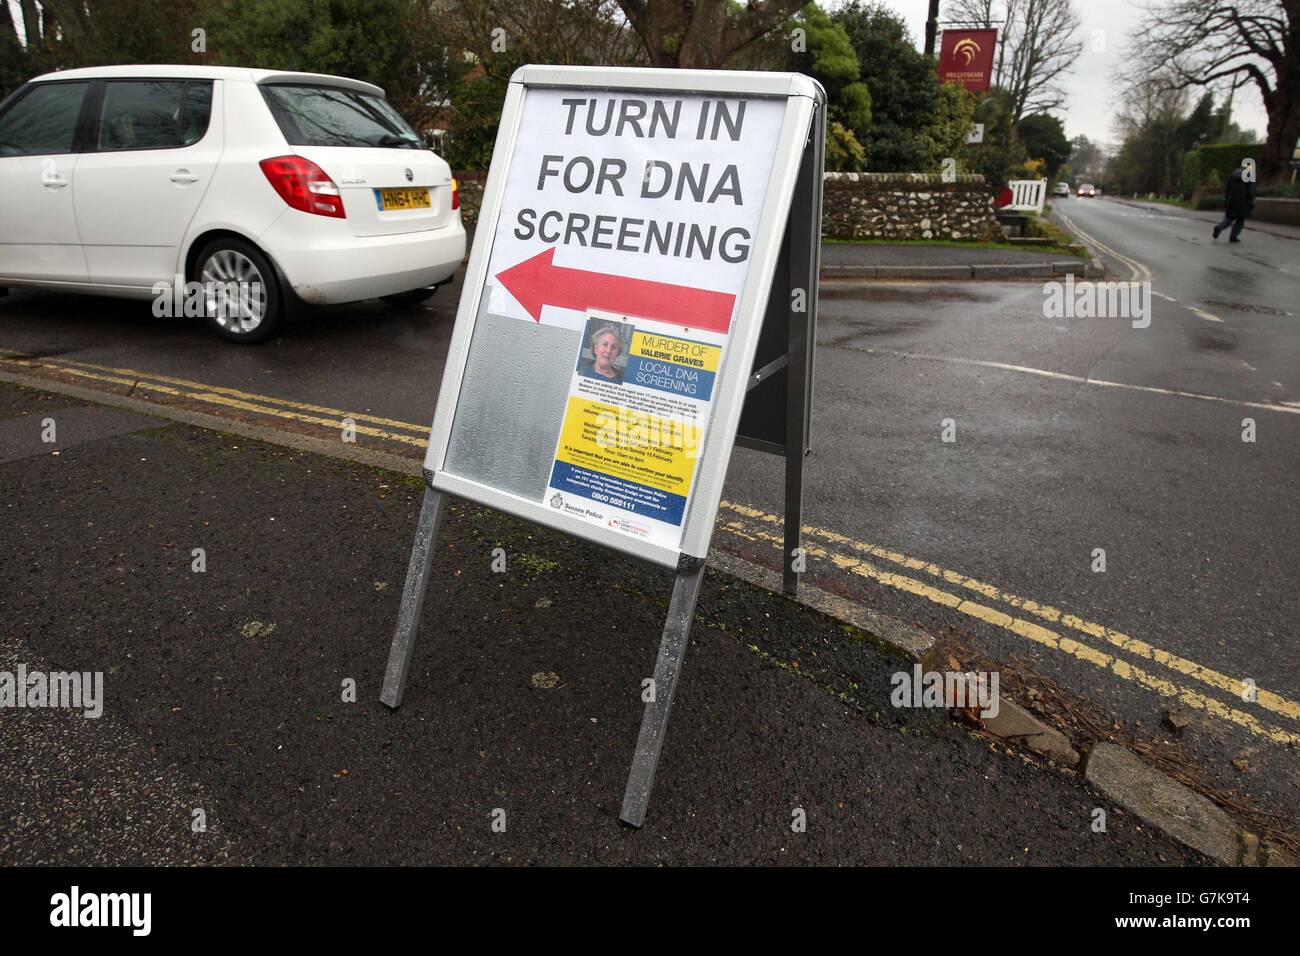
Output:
[[804, 232], [654, 722], [793, 519], [417, 579]]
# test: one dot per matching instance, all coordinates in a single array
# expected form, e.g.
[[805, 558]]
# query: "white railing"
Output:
[[1027, 195]]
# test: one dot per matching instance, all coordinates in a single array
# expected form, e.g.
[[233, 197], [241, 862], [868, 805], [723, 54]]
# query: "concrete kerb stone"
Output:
[[1188, 817], [892, 635], [998, 270], [1013, 723], [923, 272], [1016, 725], [847, 272], [1030, 270]]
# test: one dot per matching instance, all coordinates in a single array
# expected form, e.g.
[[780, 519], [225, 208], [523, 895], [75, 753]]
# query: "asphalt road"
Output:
[[1070, 435]]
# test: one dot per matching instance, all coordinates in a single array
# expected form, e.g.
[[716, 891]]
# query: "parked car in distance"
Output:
[[1062, 189], [1087, 190], [254, 190]]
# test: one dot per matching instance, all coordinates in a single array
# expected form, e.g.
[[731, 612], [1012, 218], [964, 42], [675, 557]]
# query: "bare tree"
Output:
[[703, 34], [1212, 43], [505, 33], [1037, 48]]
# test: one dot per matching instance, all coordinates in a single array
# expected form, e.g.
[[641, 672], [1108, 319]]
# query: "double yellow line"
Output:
[[1140, 272], [1097, 646], [855, 563], [282, 408]]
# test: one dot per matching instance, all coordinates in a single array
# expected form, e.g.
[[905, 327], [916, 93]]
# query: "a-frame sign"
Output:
[[640, 296]]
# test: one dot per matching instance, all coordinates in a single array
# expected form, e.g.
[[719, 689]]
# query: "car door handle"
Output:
[[54, 181], [184, 176]]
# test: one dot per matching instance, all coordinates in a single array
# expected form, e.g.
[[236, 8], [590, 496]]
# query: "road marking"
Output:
[[1027, 629], [247, 396], [229, 402], [261, 404], [1136, 266], [234, 398], [1289, 407], [1139, 270], [1271, 701]]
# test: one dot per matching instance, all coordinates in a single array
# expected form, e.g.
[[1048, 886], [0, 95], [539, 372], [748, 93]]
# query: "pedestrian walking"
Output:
[[1238, 203]]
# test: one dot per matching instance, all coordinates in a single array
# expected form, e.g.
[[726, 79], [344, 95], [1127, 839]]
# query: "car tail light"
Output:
[[304, 185], [455, 194]]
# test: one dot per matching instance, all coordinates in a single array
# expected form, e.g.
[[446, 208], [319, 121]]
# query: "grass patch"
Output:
[[1060, 239], [536, 563]]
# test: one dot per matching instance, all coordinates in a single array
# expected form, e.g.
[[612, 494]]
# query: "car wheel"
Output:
[[241, 297], [407, 300]]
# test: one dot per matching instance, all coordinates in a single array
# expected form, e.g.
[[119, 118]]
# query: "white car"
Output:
[[228, 193], [1062, 189]]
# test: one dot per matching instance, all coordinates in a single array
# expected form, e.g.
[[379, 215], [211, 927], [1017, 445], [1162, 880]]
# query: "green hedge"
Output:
[[1214, 164], [1281, 190]]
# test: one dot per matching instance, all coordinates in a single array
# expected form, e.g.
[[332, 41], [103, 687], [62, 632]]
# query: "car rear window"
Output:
[[154, 114], [311, 115]]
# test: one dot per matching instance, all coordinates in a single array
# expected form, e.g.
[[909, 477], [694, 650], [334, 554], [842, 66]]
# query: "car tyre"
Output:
[[250, 311]]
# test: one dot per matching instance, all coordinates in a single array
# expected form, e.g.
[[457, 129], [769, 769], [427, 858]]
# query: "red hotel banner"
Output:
[[966, 57]]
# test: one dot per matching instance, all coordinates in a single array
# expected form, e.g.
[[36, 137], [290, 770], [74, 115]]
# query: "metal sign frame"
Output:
[[697, 524], [792, 210]]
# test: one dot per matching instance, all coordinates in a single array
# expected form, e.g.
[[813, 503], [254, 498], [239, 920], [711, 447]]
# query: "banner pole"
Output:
[[654, 722], [417, 582]]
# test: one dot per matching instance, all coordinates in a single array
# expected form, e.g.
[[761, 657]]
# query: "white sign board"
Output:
[[627, 239], [976, 134]]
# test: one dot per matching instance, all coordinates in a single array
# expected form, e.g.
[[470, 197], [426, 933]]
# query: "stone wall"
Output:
[[1275, 209], [907, 206], [868, 206]]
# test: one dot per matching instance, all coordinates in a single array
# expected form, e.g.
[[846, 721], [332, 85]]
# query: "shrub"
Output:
[[1214, 164]]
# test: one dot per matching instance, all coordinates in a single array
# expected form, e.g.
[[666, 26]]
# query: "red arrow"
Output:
[[539, 281]]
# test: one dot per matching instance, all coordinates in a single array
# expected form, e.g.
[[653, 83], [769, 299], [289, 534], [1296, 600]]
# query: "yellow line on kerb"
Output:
[[1270, 701], [205, 389], [1027, 629], [228, 402]]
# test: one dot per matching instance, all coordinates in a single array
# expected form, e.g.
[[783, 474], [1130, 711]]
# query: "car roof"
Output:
[[235, 73]]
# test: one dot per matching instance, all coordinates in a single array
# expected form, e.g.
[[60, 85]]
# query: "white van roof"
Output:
[[235, 73]]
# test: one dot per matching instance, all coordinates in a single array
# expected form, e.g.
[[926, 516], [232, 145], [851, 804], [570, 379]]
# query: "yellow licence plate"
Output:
[[402, 199]]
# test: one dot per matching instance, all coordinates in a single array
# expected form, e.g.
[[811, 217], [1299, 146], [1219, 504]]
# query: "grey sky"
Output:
[[1089, 107]]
